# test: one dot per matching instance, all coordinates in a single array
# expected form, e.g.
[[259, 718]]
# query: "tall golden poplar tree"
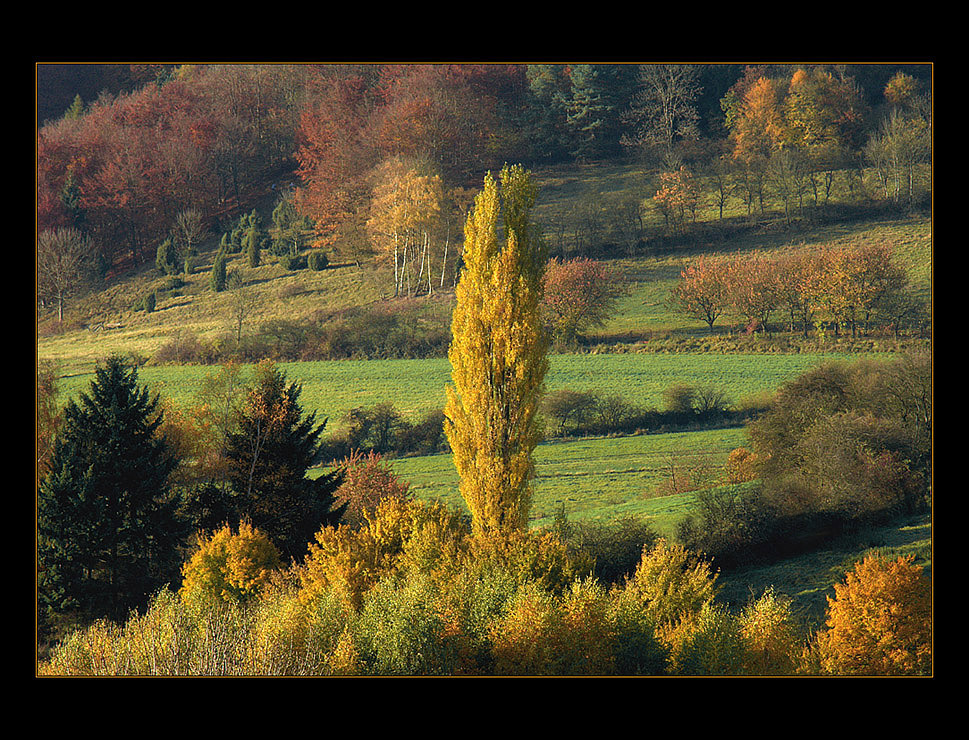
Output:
[[498, 355]]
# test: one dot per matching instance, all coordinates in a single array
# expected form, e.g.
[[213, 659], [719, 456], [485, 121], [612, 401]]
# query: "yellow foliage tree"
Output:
[[771, 636], [230, 566], [880, 621], [498, 356], [741, 466], [404, 208], [672, 583], [396, 534]]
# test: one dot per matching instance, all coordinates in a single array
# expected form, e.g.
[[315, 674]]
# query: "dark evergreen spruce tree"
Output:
[[107, 528], [269, 456]]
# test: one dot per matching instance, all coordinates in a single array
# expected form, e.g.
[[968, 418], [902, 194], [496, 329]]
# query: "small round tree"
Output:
[[577, 295], [230, 566], [879, 622], [317, 260], [367, 480]]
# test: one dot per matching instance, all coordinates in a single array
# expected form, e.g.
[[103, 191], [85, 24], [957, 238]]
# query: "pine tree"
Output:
[[106, 522], [76, 110], [592, 109], [498, 356], [269, 455]]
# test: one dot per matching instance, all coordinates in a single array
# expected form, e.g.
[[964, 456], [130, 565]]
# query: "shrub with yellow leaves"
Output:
[[740, 466], [397, 533], [672, 582], [230, 566], [772, 636]]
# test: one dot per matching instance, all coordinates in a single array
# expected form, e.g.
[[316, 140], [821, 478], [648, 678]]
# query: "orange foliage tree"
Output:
[[880, 621], [677, 197], [702, 290], [754, 289]]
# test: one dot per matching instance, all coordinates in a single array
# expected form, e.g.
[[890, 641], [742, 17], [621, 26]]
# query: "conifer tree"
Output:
[[166, 258], [498, 355], [219, 277], [269, 454], [106, 523], [251, 243]]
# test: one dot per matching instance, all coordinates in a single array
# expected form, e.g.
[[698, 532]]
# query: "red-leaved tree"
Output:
[[578, 294]]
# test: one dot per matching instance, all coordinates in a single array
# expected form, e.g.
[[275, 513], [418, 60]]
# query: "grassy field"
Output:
[[332, 388], [596, 478]]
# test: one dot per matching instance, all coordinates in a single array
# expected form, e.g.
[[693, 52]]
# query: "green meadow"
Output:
[[600, 478], [332, 388]]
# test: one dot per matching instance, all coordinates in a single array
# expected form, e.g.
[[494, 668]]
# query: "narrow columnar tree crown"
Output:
[[498, 355]]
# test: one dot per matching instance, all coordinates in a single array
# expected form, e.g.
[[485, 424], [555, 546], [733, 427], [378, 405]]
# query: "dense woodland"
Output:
[[174, 541]]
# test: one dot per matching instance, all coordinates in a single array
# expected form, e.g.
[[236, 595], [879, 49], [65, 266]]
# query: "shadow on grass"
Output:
[[808, 579]]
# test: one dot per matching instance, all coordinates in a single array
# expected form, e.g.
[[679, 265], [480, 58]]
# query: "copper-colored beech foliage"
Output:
[[578, 294]]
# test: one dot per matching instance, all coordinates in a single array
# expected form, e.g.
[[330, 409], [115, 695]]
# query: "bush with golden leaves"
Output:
[[879, 622], [672, 582], [706, 642], [772, 636], [230, 566], [396, 534], [740, 466], [290, 638]]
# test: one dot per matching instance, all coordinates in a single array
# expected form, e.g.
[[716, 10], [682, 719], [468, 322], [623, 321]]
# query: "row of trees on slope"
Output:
[[843, 287]]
